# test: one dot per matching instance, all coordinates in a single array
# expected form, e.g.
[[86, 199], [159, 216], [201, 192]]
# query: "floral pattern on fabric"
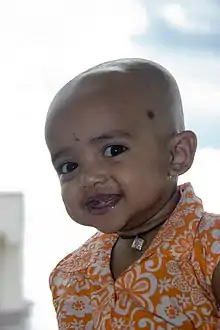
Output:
[[169, 287]]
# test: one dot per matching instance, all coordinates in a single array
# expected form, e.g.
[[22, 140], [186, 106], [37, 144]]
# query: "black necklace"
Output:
[[138, 239]]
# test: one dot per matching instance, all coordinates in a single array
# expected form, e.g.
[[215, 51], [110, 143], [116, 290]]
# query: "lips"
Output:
[[102, 203]]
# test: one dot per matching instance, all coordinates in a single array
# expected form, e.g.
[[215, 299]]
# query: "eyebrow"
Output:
[[111, 135], [60, 153]]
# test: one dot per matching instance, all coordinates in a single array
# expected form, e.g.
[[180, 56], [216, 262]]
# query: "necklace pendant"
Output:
[[138, 243]]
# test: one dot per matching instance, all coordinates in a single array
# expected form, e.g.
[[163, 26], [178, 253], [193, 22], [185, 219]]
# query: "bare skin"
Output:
[[118, 129]]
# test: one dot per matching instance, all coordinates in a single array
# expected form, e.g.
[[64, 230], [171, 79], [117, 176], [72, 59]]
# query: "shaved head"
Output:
[[118, 129], [160, 99]]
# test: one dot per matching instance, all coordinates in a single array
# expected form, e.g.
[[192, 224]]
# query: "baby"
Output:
[[118, 143]]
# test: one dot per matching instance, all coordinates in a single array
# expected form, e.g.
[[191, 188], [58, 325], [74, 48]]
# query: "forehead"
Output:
[[94, 105]]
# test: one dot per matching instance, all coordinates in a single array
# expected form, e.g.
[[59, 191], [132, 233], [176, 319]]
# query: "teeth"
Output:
[[103, 202], [100, 203]]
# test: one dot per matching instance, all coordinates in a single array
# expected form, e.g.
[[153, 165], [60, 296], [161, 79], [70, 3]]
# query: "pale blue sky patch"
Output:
[[185, 37]]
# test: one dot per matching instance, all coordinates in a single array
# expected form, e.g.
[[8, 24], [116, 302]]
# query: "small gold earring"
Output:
[[172, 177]]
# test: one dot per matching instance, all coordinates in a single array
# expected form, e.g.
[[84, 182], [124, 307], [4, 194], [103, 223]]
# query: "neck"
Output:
[[155, 221]]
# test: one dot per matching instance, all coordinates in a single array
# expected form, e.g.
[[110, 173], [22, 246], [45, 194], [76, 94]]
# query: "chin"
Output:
[[109, 230], [102, 223], [105, 230]]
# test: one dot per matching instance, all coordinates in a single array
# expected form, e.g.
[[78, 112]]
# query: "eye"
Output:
[[114, 150], [67, 168]]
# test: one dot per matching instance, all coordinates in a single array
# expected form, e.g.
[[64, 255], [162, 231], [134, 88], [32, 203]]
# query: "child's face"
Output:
[[112, 165]]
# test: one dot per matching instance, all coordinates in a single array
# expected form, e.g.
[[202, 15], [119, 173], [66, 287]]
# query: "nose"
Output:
[[93, 177]]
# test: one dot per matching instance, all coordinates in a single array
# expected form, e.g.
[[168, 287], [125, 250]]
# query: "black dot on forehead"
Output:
[[76, 138], [150, 114]]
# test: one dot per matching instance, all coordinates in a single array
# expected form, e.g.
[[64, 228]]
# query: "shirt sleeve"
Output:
[[208, 246], [56, 286], [58, 280]]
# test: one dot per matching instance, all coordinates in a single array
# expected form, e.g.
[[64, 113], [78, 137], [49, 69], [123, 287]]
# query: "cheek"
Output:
[[144, 174], [70, 197]]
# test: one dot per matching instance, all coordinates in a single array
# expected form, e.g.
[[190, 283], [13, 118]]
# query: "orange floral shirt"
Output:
[[169, 287]]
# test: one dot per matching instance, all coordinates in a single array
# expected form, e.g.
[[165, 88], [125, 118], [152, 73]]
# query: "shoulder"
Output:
[[209, 234], [210, 225], [80, 259], [207, 245]]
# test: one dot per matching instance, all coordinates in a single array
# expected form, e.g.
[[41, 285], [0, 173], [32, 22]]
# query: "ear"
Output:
[[182, 152]]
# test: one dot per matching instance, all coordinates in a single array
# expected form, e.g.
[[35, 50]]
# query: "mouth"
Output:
[[102, 203]]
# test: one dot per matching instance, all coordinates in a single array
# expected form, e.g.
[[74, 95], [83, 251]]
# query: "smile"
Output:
[[103, 203]]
